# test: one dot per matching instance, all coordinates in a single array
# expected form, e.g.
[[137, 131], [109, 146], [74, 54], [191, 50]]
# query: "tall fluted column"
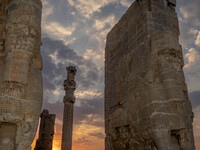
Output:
[[69, 100]]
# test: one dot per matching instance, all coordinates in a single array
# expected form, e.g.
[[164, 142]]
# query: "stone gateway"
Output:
[[21, 90], [146, 97]]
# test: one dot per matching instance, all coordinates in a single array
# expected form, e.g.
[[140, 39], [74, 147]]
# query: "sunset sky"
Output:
[[74, 33]]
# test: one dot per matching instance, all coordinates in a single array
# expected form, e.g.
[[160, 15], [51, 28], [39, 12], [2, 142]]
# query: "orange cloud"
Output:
[[84, 137]]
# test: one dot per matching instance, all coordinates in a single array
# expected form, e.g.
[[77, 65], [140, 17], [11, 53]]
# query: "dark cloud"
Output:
[[51, 46], [62, 12], [92, 75], [92, 107], [48, 85], [189, 19], [56, 57], [117, 9], [189, 11], [55, 108], [195, 98]]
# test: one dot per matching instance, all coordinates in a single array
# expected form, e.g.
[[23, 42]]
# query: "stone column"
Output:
[[46, 132], [21, 90], [69, 100]]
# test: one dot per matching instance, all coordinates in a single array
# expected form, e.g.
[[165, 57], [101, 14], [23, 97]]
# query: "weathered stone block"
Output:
[[46, 131], [20, 71], [146, 105]]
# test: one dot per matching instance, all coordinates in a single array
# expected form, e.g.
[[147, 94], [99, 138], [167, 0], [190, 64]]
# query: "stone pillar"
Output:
[[46, 131], [3, 17], [69, 100], [146, 97], [21, 90]]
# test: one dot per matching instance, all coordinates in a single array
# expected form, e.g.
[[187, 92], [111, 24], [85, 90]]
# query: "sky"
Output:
[[74, 33]]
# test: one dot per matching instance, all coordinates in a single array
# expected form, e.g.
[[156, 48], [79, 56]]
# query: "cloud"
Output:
[[58, 29], [83, 140], [190, 12], [56, 57], [98, 135], [192, 69], [195, 99], [127, 3], [197, 41], [88, 7], [188, 34], [87, 111], [192, 57], [83, 24], [91, 111], [88, 121], [189, 21], [47, 9], [89, 94], [101, 23]]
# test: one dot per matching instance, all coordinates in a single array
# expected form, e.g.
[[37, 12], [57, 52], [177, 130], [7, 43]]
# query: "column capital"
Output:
[[70, 85]]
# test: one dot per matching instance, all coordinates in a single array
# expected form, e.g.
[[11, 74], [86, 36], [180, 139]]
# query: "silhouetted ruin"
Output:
[[21, 90], [46, 131]]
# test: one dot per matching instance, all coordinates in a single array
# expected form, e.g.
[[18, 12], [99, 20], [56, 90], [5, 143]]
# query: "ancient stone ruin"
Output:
[[146, 98], [21, 88], [68, 100], [46, 131]]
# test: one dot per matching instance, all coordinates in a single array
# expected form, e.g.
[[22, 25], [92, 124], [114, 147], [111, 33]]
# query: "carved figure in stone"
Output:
[[114, 144], [123, 137], [21, 90], [135, 140]]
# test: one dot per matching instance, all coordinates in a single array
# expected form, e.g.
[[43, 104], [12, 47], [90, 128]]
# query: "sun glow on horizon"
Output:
[[82, 139]]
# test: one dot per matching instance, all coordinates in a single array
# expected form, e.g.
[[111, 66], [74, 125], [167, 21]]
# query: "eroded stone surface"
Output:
[[146, 98], [20, 71], [46, 131]]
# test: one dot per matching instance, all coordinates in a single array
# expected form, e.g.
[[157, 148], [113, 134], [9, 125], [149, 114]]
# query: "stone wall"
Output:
[[46, 131], [146, 98], [21, 88]]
